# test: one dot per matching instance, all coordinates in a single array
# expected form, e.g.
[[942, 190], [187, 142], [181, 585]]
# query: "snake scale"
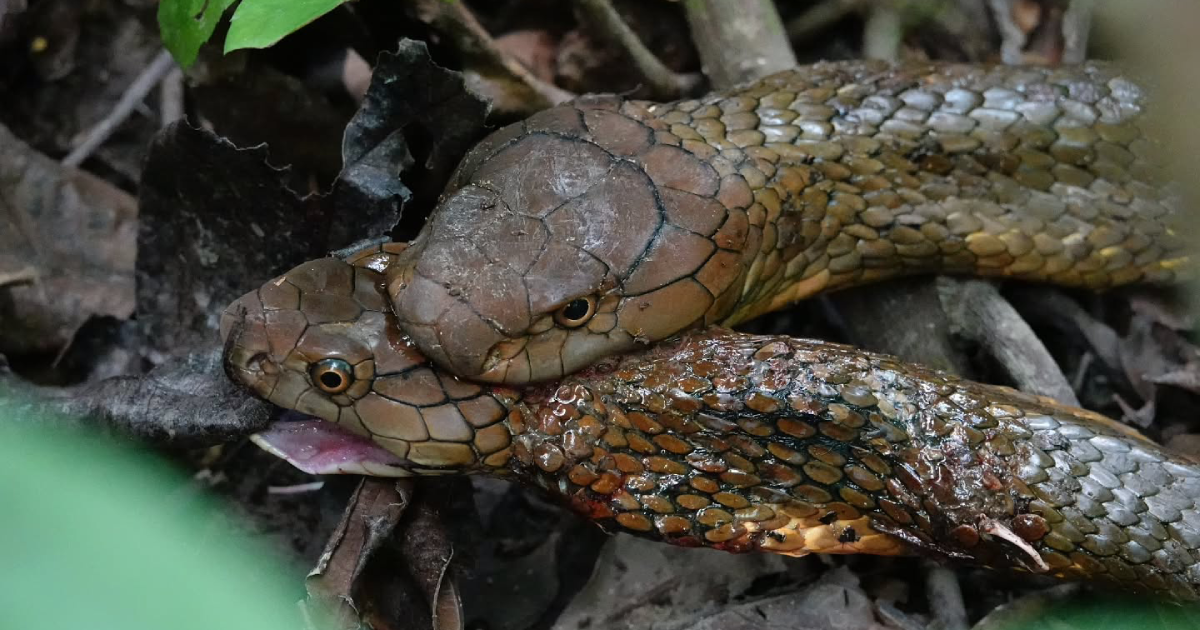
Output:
[[549, 323], [593, 226]]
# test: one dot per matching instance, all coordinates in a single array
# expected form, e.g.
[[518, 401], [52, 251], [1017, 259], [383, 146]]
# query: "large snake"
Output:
[[605, 222], [567, 239], [729, 440]]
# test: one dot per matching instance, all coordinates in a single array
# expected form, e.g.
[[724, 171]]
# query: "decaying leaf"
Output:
[[67, 244]]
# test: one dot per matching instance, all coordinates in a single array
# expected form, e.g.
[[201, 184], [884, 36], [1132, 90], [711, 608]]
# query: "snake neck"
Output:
[[857, 172], [676, 475], [754, 443], [708, 452]]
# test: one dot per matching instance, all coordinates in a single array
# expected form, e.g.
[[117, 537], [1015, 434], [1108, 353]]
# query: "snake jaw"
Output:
[[323, 448]]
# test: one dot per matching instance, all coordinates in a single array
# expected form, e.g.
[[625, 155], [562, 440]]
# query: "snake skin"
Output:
[[744, 442], [714, 210]]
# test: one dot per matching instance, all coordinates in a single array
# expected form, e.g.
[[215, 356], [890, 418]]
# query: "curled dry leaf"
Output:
[[371, 516], [416, 121]]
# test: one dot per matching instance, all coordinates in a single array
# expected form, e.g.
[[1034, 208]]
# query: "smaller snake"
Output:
[[732, 441]]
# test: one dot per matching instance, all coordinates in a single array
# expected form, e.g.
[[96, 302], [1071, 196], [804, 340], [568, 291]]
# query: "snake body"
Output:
[[605, 222], [566, 242], [741, 442]]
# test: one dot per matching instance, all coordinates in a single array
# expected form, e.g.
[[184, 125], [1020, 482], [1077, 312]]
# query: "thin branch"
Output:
[[456, 22], [915, 327], [662, 82], [739, 40], [1077, 24], [170, 98], [1013, 39], [882, 32], [978, 312], [24, 275], [141, 86]]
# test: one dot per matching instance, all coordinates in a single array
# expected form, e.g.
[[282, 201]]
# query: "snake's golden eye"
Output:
[[332, 376], [576, 313]]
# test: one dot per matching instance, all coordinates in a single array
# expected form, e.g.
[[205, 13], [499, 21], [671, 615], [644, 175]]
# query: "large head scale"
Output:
[[569, 237]]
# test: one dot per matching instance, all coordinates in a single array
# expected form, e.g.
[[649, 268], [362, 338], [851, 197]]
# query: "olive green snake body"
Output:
[[566, 242], [597, 225]]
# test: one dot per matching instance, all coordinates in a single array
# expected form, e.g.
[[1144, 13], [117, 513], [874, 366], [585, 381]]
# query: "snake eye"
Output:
[[577, 312], [332, 376]]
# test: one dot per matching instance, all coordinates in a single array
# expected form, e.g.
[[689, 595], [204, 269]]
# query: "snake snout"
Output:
[[247, 351]]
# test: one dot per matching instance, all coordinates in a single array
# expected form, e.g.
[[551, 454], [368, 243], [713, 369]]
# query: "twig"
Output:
[[1012, 38], [1081, 371], [141, 86], [978, 312], [945, 598], [1052, 307], [297, 488], [915, 327], [457, 22], [739, 40], [882, 32], [1077, 24], [24, 275], [170, 98], [820, 17], [663, 83]]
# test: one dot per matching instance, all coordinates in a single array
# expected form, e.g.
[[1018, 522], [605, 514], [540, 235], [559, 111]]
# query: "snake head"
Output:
[[319, 340], [567, 238]]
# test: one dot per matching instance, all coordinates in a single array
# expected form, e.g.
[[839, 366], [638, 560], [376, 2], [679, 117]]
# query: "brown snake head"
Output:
[[318, 340], [602, 223], [561, 241]]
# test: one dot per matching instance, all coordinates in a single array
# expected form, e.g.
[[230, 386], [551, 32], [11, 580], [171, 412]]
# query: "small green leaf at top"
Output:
[[187, 24], [262, 23]]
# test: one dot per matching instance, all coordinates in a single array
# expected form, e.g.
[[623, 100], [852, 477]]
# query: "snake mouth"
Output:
[[318, 447]]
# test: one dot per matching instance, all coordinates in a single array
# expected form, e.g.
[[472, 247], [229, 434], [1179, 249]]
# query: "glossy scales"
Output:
[[745, 443], [714, 210]]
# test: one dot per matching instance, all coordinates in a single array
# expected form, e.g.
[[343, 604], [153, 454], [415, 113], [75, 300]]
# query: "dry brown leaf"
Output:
[[75, 234]]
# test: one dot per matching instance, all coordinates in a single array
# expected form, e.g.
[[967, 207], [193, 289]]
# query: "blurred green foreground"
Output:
[[95, 537]]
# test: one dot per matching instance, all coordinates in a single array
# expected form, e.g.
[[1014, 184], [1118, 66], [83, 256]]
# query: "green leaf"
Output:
[[187, 24], [100, 536], [262, 23]]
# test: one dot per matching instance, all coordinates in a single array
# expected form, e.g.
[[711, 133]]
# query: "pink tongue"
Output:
[[322, 448]]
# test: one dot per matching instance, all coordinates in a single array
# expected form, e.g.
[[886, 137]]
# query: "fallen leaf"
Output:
[[370, 517], [72, 237]]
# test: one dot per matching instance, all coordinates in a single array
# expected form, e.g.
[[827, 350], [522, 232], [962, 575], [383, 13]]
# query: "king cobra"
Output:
[[507, 338], [729, 440], [596, 225]]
